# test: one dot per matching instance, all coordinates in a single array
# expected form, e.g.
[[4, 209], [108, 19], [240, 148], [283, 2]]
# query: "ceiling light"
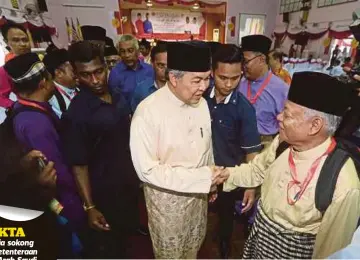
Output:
[[196, 6], [149, 4]]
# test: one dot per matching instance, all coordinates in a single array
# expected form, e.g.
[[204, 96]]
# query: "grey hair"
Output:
[[267, 59], [332, 122], [129, 37], [178, 74]]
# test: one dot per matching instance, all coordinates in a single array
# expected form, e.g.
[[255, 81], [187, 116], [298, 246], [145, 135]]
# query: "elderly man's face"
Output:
[[294, 127], [191, 87], [128, 53]]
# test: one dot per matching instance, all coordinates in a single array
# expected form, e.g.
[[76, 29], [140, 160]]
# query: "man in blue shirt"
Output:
[[131, 71], [148, 25], [235, 135], [96, 136], [159, 62]]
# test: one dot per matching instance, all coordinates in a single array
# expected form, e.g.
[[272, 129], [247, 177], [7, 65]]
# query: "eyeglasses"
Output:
[[246, 62]]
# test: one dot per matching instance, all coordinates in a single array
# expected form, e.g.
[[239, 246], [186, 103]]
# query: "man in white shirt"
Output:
[[58, 65], [171, 148]]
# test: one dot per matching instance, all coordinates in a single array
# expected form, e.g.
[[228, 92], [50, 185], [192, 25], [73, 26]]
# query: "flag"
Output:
[[68, 30], [15, 4], [78, 27], [75, 37]]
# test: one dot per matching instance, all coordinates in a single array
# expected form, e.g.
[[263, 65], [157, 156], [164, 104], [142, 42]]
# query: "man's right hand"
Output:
[[97, 220], [219, 175]]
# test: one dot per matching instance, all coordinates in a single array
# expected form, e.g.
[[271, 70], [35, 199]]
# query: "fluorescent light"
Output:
[[83, 5], [149, 3]]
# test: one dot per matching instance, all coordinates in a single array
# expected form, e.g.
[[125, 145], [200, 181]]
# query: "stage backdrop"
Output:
[[168, 24]]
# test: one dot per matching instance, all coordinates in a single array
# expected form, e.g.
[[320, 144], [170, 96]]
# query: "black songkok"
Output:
[[24, 67], [320, 92], [214, 47], [110, 50], [93, 33], [55, 59], [256, 43], [189, 56]]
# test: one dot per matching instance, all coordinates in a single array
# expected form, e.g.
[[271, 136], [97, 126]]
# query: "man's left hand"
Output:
[[248, 200], [213, 194]]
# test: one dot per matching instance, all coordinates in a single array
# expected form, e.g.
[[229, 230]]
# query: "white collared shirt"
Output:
[[227, 99], [54, 102]]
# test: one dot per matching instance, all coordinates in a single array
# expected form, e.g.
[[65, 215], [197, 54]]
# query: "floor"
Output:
[[141, 245]]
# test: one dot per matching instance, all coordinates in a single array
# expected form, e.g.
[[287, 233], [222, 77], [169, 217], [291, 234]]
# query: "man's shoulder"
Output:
[[153, 101], [33, 121], [146, 66], [242, 102], [79, 106], [118, 68], [348, 177], [276, 81]]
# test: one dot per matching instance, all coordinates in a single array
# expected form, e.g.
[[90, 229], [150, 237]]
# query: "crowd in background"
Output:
[[94, 125]]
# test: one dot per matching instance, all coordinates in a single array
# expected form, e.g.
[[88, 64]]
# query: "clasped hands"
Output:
[[219, 174]]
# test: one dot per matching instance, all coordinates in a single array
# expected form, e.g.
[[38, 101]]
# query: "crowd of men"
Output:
[[202, 122]]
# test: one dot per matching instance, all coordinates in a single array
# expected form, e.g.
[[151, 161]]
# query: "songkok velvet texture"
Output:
[[55, 59], [93, 33], [189, 56], [256, 43], [320, 92]]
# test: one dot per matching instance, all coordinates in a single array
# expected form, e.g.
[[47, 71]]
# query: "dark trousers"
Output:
[[226, 213], [120, 209]]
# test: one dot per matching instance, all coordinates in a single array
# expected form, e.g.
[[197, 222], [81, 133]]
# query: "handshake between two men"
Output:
[[219, 175]]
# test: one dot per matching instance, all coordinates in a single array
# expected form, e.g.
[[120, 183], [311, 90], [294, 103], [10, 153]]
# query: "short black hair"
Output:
[[85, 51], [145, 43], [227, 53], [337, 62], [347, 59], [11, 25], [30, 86], [277, 55], [147, 14], [159, 48], [139, 14]]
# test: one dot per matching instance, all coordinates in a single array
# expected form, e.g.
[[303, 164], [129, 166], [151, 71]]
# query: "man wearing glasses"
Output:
[[262, 88]]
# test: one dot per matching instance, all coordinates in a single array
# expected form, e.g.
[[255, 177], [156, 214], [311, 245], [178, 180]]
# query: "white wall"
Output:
[[338, 13], [268, 7], [87, 16]]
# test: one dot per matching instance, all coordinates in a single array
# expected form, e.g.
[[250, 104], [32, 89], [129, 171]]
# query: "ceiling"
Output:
[[213, 10]]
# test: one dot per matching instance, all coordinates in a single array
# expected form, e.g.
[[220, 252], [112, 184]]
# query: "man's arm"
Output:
[[78, 147], [40, 134], [144, 147], [252, 174], [96, 219]]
